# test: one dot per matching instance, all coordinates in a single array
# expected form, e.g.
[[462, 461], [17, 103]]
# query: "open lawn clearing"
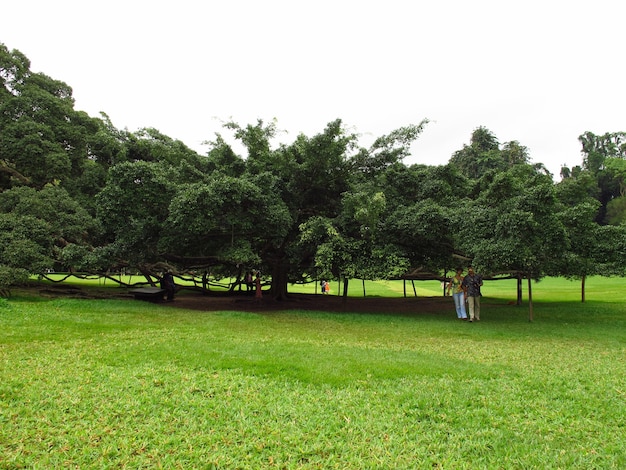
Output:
[[113, 383]]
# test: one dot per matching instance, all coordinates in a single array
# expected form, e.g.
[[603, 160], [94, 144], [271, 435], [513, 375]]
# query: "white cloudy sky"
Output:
[[541, 72]]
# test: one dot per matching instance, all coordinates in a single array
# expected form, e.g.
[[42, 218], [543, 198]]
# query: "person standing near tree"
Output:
[[257, 282], [471, 287], [168, 284], [458, 294], [249, 281]]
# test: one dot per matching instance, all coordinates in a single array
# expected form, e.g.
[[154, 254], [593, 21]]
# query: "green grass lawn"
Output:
[[546, 290], [126, 384]]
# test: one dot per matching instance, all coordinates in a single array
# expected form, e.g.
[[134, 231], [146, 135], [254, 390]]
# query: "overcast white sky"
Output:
[[539, 72]]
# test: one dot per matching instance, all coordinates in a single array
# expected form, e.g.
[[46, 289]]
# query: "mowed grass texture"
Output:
[[126, 384]]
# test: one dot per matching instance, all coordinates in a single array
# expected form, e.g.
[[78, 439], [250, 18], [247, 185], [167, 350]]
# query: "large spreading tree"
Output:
[[78, 194]]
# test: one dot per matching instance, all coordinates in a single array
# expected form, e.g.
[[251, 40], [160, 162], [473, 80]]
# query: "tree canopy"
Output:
[[78, 194]]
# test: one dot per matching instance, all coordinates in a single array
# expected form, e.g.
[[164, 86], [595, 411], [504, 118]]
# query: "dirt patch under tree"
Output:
[[246, 302]]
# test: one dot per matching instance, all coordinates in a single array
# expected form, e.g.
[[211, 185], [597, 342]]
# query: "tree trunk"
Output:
[[278, 290], [582, 288], [530, 299], [345, 289], [240, 277], [147, 275], [364, 295], [519, 289]]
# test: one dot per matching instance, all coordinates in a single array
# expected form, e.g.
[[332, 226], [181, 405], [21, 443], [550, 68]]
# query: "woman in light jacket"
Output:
[[456, 286]]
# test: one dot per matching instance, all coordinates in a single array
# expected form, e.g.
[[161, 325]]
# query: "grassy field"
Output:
[[546, 290], [125, 384]]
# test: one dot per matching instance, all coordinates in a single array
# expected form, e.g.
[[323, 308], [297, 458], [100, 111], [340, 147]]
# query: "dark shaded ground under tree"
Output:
[[246, 302], [327, 303]]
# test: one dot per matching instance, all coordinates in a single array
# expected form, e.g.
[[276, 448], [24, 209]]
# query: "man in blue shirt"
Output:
[[471, 286]]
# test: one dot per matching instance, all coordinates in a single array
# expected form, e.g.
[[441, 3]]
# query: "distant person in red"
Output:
[[324, 286]]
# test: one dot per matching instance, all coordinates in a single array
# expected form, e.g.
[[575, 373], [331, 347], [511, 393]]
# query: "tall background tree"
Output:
[[603, 157], [43, 150]]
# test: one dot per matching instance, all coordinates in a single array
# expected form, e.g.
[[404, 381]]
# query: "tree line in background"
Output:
[[77, 194]]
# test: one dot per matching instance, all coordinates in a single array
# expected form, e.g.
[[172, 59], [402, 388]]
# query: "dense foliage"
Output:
[[77, 194]]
